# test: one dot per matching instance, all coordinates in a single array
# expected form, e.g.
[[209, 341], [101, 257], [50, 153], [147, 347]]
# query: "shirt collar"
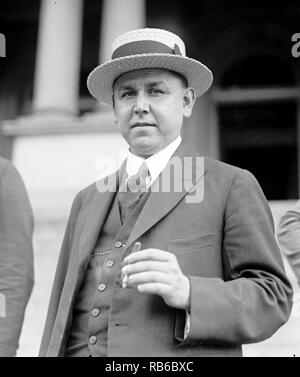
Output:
[[156, 163]]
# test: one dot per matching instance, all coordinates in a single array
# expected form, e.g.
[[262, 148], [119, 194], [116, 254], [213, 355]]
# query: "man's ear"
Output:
[[189, 98]]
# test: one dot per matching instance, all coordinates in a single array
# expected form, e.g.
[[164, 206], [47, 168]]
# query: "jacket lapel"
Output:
[[189, 171], [96, 212]]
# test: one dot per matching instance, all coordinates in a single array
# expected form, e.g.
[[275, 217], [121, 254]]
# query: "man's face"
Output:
[[149, 105]]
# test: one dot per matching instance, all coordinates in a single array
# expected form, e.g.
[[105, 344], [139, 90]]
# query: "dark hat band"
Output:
[[144, 47]]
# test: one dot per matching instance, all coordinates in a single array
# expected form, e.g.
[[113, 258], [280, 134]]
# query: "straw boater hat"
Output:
[[147, 48]]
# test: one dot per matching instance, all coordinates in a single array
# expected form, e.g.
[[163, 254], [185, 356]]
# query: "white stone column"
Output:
[[119, 16], [58, 57]]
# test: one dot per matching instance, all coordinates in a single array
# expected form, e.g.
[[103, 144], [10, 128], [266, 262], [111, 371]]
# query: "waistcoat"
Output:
[[90, 317]]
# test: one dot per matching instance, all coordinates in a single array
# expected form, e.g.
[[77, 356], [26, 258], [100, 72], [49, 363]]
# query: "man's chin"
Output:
[[144, 147]]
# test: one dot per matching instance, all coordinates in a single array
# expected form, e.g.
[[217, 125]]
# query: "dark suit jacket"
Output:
[[16, 256], [224, 243]]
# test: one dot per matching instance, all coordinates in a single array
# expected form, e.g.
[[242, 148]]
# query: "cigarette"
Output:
[[136, 247]]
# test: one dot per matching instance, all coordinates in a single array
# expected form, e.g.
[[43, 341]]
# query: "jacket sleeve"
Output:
[[255, 297], [60, 275], [16, 258], [288, 234]]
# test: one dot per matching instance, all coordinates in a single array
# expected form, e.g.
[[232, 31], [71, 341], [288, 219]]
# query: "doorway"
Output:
[[258, 124]]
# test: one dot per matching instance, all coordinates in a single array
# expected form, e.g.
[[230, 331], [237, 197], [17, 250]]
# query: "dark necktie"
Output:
[[131, 193]]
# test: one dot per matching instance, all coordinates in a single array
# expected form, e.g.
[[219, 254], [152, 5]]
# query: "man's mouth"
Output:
[[142, 124]]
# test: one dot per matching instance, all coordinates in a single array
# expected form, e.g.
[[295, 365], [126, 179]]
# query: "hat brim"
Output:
[[100, 80]]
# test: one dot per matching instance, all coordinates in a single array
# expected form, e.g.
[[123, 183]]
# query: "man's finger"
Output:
[[160, 289], [148, 277], [149, 254], [143, 266]]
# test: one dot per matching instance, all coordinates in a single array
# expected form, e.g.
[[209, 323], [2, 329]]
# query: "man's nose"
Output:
[[141, 105]]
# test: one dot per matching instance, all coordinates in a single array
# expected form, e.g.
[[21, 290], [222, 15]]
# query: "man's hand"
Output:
[[157, 271]]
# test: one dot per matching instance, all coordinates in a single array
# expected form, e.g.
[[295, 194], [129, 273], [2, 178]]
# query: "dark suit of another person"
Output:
[[16, 256]]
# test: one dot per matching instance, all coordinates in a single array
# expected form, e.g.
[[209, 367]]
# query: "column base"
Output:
[[58, 123]]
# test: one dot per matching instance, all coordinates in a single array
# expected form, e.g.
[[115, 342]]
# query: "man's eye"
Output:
[[156, 91], [128, 93]]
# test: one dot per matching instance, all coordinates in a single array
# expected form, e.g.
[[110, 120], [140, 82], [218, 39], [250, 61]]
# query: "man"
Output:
[[177, 256], [288, 234], [16, 256]]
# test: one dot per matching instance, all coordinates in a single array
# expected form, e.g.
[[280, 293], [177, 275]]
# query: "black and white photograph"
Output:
[[149, 181]]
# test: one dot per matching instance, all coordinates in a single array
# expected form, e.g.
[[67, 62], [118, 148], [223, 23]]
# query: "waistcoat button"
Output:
[[110, 263], [93, 339], [95, 312], [101, 287]]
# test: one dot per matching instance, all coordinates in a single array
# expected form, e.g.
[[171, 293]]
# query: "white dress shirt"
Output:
[[155, 163]]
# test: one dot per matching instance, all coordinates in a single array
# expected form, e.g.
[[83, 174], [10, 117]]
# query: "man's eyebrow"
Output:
[[150, 84], [155, 83], [125, 87]]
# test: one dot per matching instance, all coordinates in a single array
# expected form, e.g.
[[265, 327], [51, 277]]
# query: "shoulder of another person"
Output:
[[9, 175], [4, 164]]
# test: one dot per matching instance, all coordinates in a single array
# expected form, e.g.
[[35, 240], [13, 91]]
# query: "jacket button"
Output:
[[118, 244], [110, 263], [93, 339], [95, 312], [101, 287]]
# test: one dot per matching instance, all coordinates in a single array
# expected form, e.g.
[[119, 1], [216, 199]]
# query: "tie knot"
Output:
[[137, 182], [143, 170]]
